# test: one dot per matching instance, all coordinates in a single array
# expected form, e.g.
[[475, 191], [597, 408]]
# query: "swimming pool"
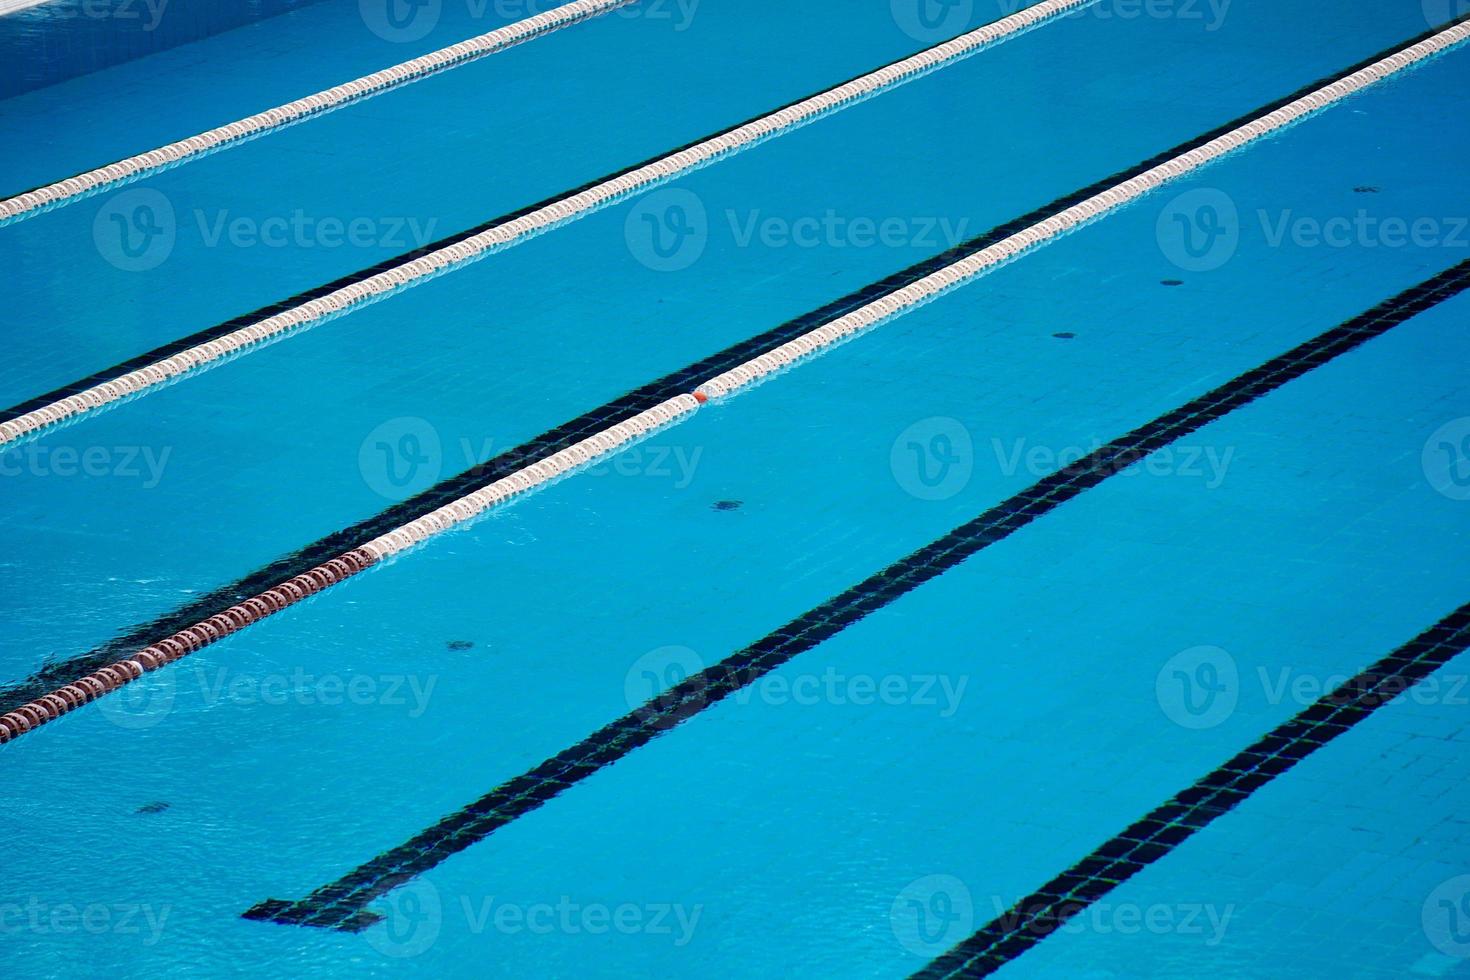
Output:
[[827, 489]]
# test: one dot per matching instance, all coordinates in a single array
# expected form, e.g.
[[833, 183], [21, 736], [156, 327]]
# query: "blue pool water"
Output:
[[896, 787]]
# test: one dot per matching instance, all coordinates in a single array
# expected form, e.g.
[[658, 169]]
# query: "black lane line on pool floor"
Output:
[[342, 904], [62, 672], [1164, 828]]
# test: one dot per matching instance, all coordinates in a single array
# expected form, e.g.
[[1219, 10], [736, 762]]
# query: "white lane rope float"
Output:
[[622, 435], [513, 232], [136, 167]]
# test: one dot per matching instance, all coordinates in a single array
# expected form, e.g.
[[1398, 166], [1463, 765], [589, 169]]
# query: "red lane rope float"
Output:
[[107, 679], [194, 638]]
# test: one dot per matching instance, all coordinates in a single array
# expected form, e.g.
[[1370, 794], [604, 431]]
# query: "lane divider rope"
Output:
[[194, 638], [674, 410], [133, 168], [520, 229], [986, 259]]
